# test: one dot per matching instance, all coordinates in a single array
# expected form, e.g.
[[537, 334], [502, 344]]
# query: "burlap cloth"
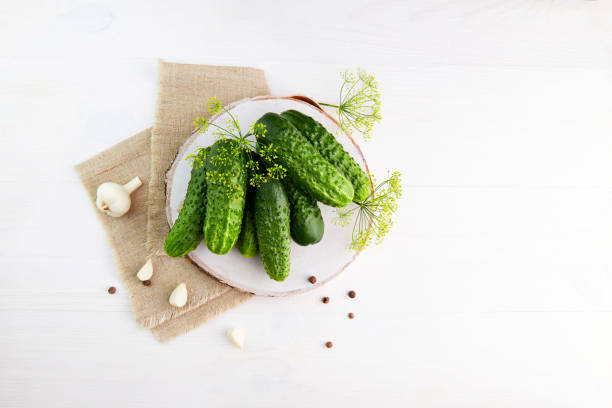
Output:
[[182, 96]]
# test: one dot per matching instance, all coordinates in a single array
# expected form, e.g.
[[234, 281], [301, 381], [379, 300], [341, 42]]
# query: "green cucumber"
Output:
[[306, 220], [272, 227], [186, 233], [247, 240], [333, 151], [304, 164], [226, 199]]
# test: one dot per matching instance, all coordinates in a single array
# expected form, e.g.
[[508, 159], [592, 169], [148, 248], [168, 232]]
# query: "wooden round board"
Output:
[[324, 260]]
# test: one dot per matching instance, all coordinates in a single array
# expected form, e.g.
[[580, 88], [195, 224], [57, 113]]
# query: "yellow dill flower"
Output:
[[373, 218], [242, 144], [359, 103]]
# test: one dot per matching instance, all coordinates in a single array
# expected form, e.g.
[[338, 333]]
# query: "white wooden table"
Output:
[[493, 290]]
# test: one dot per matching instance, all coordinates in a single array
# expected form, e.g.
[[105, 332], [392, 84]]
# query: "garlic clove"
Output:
[[236, 337], [178, 297], [146, 271]]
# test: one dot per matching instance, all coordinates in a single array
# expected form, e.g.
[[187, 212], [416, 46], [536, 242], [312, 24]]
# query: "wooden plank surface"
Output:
[[494, 288]]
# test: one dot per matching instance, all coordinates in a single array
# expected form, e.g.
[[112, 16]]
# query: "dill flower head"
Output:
[[373, 217], [241, 144], [359, 105]]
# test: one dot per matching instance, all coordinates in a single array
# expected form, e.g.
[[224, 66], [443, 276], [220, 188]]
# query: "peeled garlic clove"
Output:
[[178, 297], [236, 337], [146, 271]]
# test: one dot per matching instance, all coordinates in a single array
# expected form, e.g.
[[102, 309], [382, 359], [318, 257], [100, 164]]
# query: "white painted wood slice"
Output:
[[324, 260]]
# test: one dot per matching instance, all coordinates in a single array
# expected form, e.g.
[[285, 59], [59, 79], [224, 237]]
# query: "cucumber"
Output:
[[186, 233], [304, 164], [247, 240], [224, 208], [306, 220], [332, 151], [272, 228]]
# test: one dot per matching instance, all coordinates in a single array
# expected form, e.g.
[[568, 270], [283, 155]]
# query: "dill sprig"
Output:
[[373, 217], [198, 158], [359, 102], [243, 144]]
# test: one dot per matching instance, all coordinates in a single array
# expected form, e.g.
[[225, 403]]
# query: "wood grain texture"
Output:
[[498, 115]]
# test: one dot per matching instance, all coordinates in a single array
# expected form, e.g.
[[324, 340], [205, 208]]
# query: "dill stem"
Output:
[[234, 120], [222, 129], [327, 104]]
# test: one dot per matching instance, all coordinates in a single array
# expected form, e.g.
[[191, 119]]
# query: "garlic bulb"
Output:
[[114, 199]]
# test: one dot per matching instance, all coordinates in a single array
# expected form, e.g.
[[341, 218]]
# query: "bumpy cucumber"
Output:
[[306, 220], [225, 207], [272, 228], [304, 164], [247, 240], [186, 233], [333, 151]]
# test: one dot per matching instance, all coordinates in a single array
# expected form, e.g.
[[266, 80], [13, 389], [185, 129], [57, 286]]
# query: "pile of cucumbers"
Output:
[[263, 219]]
